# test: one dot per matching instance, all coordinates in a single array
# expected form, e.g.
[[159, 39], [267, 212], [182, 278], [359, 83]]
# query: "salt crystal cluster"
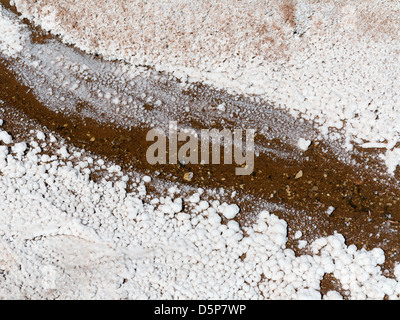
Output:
[[11, 39]]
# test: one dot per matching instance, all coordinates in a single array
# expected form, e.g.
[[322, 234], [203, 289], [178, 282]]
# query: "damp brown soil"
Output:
[[367, 211]]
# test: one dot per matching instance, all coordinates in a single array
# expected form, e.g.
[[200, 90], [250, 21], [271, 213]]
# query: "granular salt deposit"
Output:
[[65, 236], [10, 37]]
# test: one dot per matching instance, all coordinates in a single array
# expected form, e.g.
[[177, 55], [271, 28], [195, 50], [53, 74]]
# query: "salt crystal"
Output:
[[40, 135], [298, 235], [146, 179], [231, 211], [330, 210], [5, 137], [303, 144], [20, 148]]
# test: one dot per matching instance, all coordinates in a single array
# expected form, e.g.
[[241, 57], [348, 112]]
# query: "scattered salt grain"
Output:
[[298, 235], [304, 144], [222, 107], [63, 152], [146, 179], [40, 135], [330, 210], [122, 246]]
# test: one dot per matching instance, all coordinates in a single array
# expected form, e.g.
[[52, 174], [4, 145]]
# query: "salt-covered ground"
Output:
[[63, 235]]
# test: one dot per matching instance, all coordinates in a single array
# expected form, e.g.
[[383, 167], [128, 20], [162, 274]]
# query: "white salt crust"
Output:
[[10, 37], [63, 236], [330, 61]]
